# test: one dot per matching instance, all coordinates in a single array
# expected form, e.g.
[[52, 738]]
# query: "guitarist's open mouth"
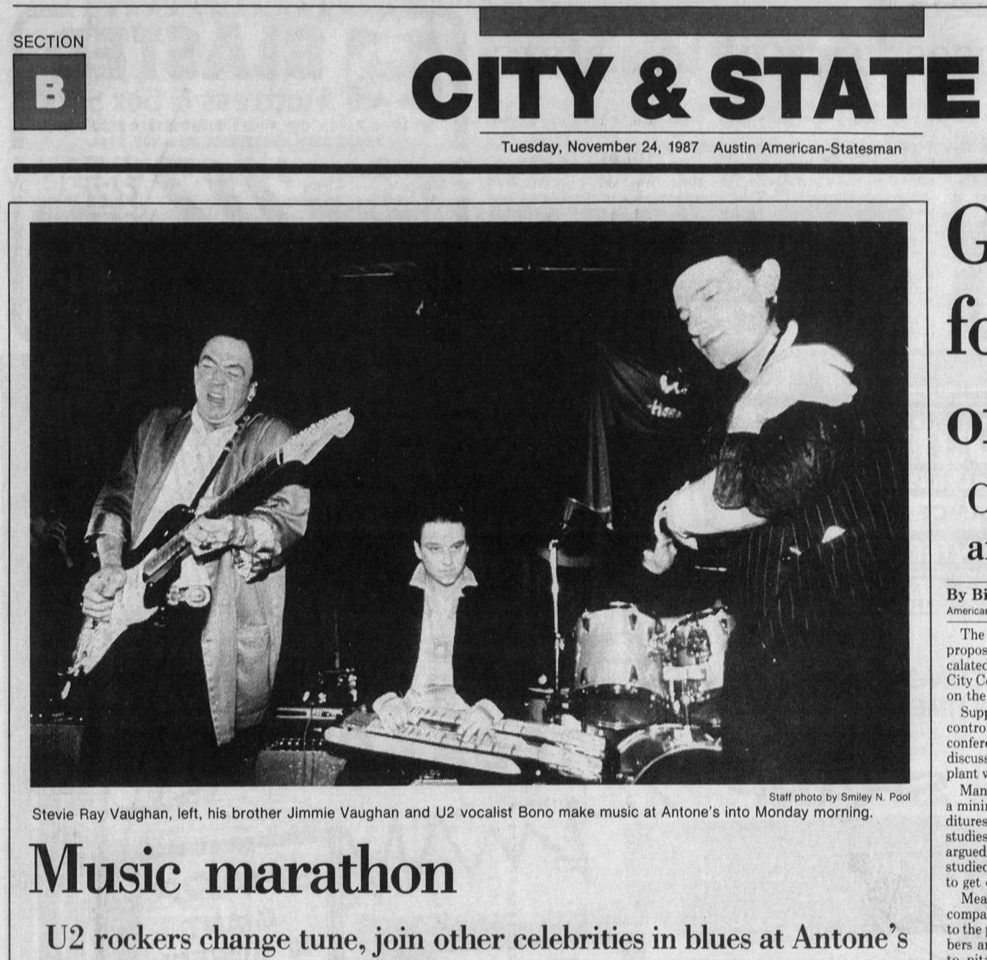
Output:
[[216, 404]]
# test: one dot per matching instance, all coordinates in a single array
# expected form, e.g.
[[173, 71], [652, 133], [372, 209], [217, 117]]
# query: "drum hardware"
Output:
[[543, 704], [554, 706], [332, 688], [706, 716], [686, 654], [581, 534], [670, 753], [579, 537], [694, 657]]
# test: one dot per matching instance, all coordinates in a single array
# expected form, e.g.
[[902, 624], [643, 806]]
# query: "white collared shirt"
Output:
[[433, 682], [195, 458]]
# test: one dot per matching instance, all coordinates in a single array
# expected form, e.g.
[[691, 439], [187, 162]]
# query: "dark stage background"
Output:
[[469, 353]]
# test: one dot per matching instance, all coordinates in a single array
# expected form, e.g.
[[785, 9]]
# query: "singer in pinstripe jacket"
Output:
[[811, 500]]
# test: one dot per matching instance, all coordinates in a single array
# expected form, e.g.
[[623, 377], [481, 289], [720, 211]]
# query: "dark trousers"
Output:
[[833, 710], [148, 721]]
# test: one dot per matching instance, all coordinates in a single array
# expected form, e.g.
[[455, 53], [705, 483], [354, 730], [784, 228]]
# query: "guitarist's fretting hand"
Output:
[[103, 586], [206, 535]]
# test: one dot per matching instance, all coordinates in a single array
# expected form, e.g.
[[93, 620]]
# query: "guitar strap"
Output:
[[223, 454]]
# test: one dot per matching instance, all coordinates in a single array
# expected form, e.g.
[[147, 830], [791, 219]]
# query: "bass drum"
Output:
[[670, 753]]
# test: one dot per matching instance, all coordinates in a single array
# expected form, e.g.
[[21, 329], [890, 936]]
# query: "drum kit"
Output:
[[649, 685]]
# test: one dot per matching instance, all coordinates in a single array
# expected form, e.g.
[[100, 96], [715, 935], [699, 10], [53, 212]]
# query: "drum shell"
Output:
[[618, 671]]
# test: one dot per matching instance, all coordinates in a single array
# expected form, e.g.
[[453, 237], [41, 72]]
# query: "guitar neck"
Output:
[[176, 548], [300, 448], [262, 471]]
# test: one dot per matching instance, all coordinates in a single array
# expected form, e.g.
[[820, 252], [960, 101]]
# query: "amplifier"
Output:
[[284, 767], [56, 745], [296, 754]]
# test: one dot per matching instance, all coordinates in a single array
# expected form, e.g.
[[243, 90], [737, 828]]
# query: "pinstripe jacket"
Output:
[[816, 685], [833, 495]]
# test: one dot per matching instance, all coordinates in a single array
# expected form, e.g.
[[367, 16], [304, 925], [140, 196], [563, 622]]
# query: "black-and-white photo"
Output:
[[479, 502]]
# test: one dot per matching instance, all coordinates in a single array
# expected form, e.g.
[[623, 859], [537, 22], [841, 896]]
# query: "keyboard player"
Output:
[[440, 644]]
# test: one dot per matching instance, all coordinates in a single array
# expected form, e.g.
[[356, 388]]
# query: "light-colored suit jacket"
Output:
[[241, 641]]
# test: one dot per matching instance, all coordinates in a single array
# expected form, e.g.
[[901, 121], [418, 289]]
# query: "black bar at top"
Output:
[[702, 22]]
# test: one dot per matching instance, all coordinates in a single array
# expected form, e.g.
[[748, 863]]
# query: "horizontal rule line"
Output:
[[240, 6], [685, 134], [497, 168]]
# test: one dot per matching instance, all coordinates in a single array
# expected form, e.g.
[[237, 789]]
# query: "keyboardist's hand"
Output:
[[476, 724], [392, 712]]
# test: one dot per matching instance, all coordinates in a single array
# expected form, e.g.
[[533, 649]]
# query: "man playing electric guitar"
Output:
[[178, 698]]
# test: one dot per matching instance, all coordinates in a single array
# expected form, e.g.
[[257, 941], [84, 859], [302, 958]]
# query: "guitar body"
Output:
[[161, 571], [97, 636], [144, 592]]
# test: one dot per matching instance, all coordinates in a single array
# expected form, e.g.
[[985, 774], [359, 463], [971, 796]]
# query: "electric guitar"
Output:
[[153, 565]]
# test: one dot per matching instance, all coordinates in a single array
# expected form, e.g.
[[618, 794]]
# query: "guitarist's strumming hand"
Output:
[[108, 581], [206, 535], [103, 586]]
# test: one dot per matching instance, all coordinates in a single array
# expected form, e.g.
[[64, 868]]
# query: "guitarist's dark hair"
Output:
[[438, 506]]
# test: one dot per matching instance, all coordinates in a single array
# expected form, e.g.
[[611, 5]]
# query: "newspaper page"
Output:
[[495, 480]]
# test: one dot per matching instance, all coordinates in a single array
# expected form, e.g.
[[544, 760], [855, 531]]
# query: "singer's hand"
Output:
[[660, 559]]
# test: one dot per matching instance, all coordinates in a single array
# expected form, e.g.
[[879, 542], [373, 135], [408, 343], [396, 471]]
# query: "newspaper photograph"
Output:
[[496, 481]]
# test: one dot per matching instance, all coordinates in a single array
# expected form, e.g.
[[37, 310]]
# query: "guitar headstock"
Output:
[[305, 446]]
